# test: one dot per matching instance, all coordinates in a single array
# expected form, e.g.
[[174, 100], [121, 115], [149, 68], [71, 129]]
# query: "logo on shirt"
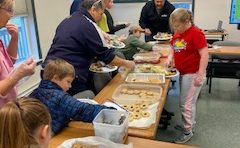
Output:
[[179, 45], [164, 15]]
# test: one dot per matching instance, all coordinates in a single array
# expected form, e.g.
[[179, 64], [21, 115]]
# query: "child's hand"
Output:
[[168, 63], [198, 80], [12, 30], [122, 38], [127, 24], [147, 31]]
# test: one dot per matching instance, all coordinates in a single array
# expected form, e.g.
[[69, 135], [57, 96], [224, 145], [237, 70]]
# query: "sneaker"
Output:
[[182, 129], [183, 137]]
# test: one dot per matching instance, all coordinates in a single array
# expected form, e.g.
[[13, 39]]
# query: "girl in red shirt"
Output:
[[190, 54]]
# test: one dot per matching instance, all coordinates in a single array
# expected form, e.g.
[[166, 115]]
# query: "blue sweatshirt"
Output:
[[63, 107]]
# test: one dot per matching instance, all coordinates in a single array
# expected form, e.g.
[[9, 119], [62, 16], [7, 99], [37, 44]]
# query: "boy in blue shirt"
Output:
[[57, 78]]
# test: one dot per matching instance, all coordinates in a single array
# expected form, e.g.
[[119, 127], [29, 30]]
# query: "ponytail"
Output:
[[19, 120]]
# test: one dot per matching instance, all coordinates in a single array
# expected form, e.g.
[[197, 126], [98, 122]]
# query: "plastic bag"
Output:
[[93, 141]]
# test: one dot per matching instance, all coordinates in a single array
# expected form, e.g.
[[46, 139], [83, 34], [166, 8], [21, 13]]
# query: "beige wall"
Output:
[[207, 14], [49, 14]]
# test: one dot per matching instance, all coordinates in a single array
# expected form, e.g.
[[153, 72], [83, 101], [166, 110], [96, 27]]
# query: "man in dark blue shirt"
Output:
[[154, 17]]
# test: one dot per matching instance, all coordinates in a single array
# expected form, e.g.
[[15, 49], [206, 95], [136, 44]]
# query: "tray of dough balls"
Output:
[[146, 78], [141, 101]]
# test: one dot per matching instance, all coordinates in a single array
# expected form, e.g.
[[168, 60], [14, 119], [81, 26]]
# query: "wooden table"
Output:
[[68, 133], [225, 50], [107, 92], [215, 35]]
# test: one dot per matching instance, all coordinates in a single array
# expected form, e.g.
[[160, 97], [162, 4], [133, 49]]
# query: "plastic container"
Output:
[[164, 50], [112, 125], [147, 57], [123, 71], [145, 78]]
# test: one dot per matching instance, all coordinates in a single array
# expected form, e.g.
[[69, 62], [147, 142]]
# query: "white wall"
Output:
[[207, 14], [49, 14], [128, 12]]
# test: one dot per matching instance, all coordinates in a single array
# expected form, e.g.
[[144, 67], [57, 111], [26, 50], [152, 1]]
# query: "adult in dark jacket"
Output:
[[78, 41], [75, 6], [155, 17]]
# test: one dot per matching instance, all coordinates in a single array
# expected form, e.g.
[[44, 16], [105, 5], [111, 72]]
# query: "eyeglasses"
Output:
[[9, 10]]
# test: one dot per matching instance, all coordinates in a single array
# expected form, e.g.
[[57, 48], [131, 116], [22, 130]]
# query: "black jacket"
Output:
[[112, 28], [156, 22], [78, 42]]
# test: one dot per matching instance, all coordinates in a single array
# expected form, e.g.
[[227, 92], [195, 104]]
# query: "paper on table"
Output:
[[90, 101], [111, 104], [94, 141], [146, 122], [216, 47]]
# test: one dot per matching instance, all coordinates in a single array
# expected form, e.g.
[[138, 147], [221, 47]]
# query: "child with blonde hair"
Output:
[[133, 43], [52, 91], [190, 53], [24, 123]]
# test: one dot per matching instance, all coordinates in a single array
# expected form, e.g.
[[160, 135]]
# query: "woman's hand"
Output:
[[12, 30], [25, 69]]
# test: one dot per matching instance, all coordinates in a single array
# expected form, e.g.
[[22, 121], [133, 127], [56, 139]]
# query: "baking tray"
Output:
[[145, 78], [133, 97]]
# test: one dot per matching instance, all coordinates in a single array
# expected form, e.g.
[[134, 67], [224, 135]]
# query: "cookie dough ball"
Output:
[[131, 107], [124, 91], [130, 118], [144, 105], [136, 92], [150, 93], [145, 114], [130, 92], [136, 116]]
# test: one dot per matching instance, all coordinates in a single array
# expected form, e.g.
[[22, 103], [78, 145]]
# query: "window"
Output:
[[28, 42], [23, 48]]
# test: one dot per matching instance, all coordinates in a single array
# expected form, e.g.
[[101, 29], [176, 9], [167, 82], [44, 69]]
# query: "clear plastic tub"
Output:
[[164, 50], [112, 125]]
